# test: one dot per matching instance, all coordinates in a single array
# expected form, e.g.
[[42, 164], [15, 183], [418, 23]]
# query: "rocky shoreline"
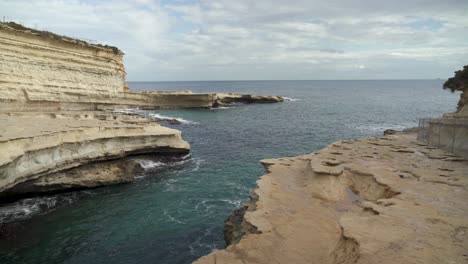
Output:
[[43, 152], [56, 134], [377, 200]]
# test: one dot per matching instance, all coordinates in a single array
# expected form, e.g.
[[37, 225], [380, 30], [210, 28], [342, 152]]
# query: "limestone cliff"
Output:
[[41, 69], [377, 200], [38, 146], [42, 72], [47, 72]]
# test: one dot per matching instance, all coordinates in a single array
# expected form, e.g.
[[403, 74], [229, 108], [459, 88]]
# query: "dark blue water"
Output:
[[176, 215]]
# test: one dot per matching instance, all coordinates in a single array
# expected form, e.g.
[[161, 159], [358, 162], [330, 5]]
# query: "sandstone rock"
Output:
[[376, 211], [224, 99], [35, 146], [43, 73], [389, 132], [320, 169]]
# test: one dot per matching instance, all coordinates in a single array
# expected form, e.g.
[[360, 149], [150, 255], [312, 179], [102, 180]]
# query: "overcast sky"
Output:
[[264, 39]]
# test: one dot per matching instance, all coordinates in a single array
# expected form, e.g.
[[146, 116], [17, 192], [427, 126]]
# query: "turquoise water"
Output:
[[176, 214]]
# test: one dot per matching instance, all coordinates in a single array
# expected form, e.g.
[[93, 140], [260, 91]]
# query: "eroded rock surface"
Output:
[[42, 71], [40, 149], [226, 99], [376, 200]]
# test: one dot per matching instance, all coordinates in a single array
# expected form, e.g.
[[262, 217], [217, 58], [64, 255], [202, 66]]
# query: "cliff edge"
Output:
[[43, 71], [41, 150], [379, 200], [52, 89]]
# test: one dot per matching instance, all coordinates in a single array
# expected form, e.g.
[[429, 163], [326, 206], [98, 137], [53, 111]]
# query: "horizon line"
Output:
[[288, 80]]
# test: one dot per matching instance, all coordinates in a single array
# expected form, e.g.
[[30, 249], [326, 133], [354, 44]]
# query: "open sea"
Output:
[[175, 213]]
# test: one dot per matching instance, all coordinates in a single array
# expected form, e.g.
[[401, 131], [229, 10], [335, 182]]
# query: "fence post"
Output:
[[428, 134], [438, 145], [453, 137]]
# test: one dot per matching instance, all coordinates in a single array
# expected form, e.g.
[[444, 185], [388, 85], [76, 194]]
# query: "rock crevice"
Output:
[[368, 209]]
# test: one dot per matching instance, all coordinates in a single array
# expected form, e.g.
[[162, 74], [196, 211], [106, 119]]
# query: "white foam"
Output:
[[179, 119], [144, 113], [172, 219], [128, 111], [26, 208], [150, 164], [211, 203], [221, 108], [380, 127], [289, 99], [186, 156], [197, 163]]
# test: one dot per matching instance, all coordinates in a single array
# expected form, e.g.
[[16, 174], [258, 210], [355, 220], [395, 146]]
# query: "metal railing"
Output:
[[448, 133]]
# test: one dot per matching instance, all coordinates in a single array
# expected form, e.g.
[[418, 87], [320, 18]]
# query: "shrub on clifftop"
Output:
[[459, 82]]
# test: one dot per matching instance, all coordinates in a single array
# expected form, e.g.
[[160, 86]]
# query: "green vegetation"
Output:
[[459, 82], [55, 36]]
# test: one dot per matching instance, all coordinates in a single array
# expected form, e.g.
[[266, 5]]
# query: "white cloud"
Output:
[[265, 39]]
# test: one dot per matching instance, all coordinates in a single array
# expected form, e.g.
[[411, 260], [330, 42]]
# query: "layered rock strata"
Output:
[[377, 200], [226, 99], [47, 72], [462, 109], [38, 148], [42, 72], [40, 68]]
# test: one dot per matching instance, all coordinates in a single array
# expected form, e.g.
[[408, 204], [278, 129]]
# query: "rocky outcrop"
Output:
[[462, 108], [38, 148], [377, 200], [227, 99], [90, 175], [45, 148], [42, 71]]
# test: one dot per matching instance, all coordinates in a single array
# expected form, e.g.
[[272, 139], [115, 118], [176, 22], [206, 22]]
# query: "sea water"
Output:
[[175, 213]]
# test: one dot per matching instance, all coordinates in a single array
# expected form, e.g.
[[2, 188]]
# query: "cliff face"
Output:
[[41, 72], [46, 72], [37, 69], [378, 200], [35, 147], [462, 109]]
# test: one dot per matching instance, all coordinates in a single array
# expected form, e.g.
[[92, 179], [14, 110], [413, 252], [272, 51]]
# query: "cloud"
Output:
[[265, 39]]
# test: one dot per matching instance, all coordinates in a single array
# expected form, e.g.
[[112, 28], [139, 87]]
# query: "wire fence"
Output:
[[449, 134]]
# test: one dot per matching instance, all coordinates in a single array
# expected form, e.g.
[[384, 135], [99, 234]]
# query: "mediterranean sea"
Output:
[[174, 213]]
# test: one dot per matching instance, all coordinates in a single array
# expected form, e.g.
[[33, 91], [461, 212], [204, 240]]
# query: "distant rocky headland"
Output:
[[56, 132], [46, 72]]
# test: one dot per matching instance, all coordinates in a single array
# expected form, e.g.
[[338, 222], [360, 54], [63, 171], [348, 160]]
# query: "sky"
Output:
[[183, 40]]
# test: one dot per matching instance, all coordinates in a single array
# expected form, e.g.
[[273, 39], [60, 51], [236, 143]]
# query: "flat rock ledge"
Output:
[[42, 152], [378, 200]]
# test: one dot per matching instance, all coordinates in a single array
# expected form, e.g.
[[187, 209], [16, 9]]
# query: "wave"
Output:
[[197, 163], [221, 108], [131, 111], [186, 156], [203, 242], [381, 127], [168, 118], [26, 208], [147, 114], [289, 99], [172, 219], [208, 204], [150, 164]]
